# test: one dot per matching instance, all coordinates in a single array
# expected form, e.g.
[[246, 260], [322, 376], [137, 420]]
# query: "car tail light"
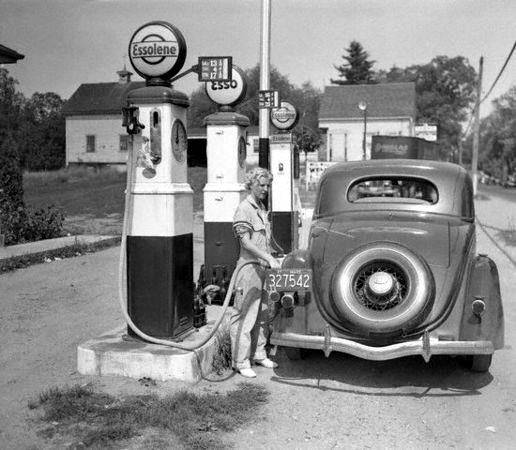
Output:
[[478, 306], [287, 301], [274, 296]]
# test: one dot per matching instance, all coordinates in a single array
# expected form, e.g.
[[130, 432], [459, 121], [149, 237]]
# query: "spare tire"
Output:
[[382, 288]]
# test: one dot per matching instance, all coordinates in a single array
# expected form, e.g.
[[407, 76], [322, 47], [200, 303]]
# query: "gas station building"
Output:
[[390, 110]]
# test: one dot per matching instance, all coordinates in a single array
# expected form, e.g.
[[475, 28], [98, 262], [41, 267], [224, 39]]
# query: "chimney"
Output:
[[124, 76]]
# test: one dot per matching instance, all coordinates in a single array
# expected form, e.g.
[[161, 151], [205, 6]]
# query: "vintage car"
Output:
[[391, 268]]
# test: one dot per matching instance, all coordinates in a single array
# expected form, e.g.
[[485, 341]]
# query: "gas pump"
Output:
[[285, 218], [226, 154], [159, 244]]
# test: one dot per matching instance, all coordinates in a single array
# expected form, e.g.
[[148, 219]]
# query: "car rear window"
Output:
[[393, 190], [385, 189]]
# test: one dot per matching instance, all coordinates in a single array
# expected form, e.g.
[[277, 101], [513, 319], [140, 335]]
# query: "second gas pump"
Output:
[[226, 161], [284, 213]]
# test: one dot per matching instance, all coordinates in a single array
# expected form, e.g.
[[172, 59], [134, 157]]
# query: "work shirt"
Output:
[[251, 218]]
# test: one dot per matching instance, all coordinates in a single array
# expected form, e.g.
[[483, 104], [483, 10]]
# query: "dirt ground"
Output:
[[335, 402]]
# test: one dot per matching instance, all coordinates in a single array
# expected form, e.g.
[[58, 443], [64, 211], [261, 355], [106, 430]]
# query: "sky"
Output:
[[69, 42]]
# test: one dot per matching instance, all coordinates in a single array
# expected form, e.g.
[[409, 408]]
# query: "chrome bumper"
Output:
[[425, 346]]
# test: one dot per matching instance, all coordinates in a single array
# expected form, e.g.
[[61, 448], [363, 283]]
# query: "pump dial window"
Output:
[[179, 141]]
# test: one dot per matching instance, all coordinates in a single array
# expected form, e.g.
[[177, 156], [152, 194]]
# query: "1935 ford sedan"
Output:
[[393, 268]]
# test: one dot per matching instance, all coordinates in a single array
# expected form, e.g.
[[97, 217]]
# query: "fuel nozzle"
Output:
[[199, 312], [214, 276], [225, 282], [130, 119]]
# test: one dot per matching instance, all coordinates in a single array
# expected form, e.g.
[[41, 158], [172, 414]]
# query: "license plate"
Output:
[[288, 279]]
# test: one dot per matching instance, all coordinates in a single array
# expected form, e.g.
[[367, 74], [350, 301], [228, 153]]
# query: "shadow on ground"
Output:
[[409, 376], [482, 197], [508, 236]]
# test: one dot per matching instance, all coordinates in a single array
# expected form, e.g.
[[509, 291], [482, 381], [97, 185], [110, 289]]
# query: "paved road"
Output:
[[498, 191], [336, 402], [345, 402]]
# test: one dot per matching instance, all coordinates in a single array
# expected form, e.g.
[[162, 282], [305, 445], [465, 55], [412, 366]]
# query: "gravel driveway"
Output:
[[339, 402]]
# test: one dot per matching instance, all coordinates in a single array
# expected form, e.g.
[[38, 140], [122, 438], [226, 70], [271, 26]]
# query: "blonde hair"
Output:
[[254, 175]]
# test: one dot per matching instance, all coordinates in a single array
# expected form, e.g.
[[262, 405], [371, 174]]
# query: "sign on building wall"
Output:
[[426, 131], [314, 171]]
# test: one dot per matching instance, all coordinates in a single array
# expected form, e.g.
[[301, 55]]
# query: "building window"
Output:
[[124, 141], [90, 143], [256, 145]]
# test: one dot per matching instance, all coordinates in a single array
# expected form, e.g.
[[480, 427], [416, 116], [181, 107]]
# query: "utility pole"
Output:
[[476, 129], [263, 155]]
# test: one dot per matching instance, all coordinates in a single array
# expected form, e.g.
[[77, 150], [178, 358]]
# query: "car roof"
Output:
[[433, 170], [452, 181]]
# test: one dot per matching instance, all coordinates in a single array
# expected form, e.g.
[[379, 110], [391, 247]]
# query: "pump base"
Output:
[[113, 355], [160, 284]]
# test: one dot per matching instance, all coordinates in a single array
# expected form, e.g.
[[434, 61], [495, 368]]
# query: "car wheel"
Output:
[[382, 288], [479, 363], [294, 354]]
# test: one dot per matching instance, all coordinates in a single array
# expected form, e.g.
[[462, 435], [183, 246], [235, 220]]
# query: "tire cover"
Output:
[[398, 319]]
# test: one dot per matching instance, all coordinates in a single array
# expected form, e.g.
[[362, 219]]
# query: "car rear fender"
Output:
[[483, 286]]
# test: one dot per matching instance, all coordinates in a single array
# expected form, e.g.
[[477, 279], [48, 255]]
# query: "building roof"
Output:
[[8, 55], [383, 100], [99, 98]]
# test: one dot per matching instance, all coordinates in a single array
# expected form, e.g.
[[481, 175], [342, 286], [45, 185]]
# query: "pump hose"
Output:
[[122, 261]]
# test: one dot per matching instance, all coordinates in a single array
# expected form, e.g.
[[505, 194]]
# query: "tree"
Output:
[[498, 137], [358, 67], [44, 132], [11, 182], [306, 99], [444, 94], [306, 139]]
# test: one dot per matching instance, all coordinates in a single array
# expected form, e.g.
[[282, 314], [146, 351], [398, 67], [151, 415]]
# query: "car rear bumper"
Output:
[[425, 346]]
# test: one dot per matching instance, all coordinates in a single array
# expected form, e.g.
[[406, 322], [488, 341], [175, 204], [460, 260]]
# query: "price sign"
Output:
[[268, 99], [214, 68]]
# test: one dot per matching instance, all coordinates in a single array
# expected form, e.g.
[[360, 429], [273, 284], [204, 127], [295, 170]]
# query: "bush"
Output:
[[28, 225], [11, 180]]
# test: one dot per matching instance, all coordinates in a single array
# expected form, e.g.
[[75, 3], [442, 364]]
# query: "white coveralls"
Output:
[[249, 317]]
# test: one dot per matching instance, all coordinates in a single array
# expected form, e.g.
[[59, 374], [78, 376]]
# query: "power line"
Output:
[[490, 89], [501, 71], [470, 121]]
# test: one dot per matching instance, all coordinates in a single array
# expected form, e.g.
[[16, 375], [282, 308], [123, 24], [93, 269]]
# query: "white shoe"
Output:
[[266, 362], [248, 373]]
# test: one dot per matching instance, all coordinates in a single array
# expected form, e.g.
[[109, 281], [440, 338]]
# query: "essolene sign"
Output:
[[228, 92], [157, 50], [284, 117]]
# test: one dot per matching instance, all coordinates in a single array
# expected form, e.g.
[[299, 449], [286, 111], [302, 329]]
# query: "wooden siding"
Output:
[[106, 129]]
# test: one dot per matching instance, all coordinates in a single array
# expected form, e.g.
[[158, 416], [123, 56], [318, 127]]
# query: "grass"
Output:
[[222, 358], [197, 421], [76, 249], [92, 194]]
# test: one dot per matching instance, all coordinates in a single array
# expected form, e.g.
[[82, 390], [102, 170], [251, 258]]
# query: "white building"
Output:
[[390, 111], [94, 132], [93, 115]]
